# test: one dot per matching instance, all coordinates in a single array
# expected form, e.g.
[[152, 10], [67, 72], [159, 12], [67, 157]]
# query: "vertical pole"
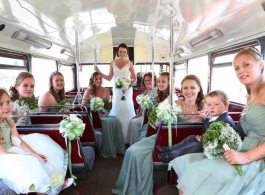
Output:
[[95, 55], [171, 38], [153, 58], [78, 96]]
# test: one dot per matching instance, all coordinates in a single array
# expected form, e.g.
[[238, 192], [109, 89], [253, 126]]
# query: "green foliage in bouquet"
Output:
[[152, 117], [218, 138], [64, 105], [27, 105], [107, 105]]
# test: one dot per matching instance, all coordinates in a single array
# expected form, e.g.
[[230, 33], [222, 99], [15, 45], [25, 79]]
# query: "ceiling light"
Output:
[[32, 39], [214, 34]]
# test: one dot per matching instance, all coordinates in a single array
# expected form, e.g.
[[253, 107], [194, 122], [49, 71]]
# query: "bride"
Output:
[[121, 68]]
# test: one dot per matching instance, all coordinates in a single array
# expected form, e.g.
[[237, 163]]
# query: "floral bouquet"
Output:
[[71, 128], [218, 138], [64, 105], [99, 104], [27, 105], [144, 101], [164, 112], [123, 84]]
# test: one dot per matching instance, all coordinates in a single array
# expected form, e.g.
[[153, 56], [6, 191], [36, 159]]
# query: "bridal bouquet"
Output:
[[123, 84], [218, 138], [27, 105], [99, 104], [144, 101], [64, 105]]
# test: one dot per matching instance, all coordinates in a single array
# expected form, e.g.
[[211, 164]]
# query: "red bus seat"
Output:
[[90, 136], [178, 134]]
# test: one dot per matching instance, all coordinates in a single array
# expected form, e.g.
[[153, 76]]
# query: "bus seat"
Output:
[[178, 134], [137, 91], [96, 121], [90, 136], [5, 190]]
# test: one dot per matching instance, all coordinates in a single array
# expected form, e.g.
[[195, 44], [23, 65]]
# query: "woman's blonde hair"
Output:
[[8, 120], [255, 55]]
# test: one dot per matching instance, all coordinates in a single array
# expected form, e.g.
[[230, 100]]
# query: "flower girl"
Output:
[[30, 163]]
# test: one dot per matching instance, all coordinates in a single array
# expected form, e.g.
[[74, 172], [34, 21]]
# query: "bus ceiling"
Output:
[[50, 28]]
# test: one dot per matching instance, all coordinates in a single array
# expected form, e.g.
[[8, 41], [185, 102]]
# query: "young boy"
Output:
[[217, 104]]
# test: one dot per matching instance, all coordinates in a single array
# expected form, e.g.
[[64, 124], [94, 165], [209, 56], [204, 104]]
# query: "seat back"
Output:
[[96, 120], [179, 132], [89, 135]]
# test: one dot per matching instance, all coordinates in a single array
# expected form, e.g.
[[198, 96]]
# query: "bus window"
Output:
[[42, 69], [68, 74], [222, 65], [224, 78], [87, 70], [143, 68], [15, 66], [11, 61], [199, 67], [8, 77], [179, 74]]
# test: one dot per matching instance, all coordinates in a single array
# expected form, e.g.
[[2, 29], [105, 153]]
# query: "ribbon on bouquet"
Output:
[[71, 128], [167, 113]]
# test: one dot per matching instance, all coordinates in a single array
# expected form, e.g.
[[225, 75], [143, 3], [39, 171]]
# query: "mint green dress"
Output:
[[136, 175], [199, 175], [113, 142]]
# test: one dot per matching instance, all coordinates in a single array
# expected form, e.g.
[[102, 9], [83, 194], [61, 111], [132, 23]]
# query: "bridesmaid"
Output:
[[55, 95], [95, 89], [113, 142], [199, 175], [24, 87]]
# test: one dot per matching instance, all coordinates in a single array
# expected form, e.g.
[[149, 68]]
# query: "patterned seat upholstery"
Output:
[[99, 138], [88, 156], [5, 190]]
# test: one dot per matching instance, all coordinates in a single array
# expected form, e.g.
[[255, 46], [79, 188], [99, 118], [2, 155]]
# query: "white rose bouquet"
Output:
[[99, 104], [144, 101], [123, 84], [218, 138]]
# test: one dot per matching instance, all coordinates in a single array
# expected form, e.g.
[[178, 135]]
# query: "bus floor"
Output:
[[104, 174]]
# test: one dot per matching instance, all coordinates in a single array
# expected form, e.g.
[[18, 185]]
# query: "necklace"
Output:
[[187, 116]]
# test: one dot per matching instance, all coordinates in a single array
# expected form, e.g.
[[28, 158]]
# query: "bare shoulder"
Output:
[[47, 98], [106, 89]]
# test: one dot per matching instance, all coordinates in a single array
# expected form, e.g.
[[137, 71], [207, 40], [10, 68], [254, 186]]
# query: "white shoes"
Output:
[[70, 181]]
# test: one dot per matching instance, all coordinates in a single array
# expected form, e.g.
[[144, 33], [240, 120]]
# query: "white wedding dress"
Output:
[[24, 172], [123, 109]]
